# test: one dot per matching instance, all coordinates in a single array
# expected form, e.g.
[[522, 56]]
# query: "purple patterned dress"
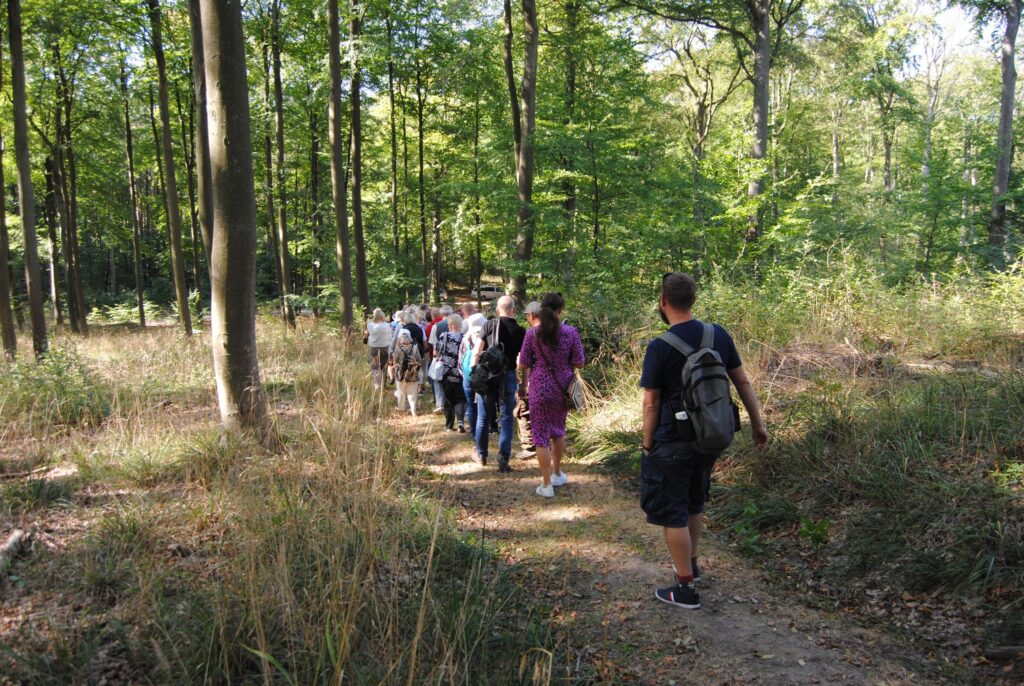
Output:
[[550, 373]]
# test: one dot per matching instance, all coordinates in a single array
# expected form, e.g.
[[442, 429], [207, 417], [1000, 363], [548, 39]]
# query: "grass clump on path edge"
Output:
[[327, 562]]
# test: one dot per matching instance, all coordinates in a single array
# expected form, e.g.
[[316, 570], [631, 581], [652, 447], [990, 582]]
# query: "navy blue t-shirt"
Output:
[[663, 369]]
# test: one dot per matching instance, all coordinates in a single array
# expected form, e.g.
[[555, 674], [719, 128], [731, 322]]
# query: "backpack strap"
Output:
[[708, 341], [678, 343]]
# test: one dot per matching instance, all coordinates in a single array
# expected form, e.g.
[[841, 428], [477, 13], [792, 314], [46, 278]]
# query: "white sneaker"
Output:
[[559, 479], [546, 491]]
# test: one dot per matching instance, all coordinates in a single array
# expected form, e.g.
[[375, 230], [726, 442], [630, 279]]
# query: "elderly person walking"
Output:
[[379, 341], [406, 362], [447, 351], [550, 353], [472, 327]]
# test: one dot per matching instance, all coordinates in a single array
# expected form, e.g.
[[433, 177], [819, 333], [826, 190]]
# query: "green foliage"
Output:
[[59, 389]]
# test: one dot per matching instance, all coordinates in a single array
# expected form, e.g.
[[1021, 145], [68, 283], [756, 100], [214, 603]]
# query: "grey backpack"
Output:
[[707, 416]]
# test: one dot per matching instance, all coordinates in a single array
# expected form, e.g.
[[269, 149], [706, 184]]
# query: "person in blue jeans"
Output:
[[472, 328], [506, 332]]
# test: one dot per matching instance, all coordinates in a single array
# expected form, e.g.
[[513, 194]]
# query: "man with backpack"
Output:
[[688, 420], [494, 379]]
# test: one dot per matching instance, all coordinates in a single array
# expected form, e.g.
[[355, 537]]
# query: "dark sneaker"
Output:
[[462, 428], [479, 459], [680, 595], [504, 468]]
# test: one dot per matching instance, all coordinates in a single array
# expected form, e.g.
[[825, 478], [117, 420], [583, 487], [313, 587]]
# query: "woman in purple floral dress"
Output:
[[551, 352]]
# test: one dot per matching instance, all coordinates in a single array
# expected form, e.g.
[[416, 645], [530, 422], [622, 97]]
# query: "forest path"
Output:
[[590, 553]]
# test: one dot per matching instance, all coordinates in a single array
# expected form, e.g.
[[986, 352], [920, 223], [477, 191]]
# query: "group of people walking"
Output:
[[490, 371], [524, 377]]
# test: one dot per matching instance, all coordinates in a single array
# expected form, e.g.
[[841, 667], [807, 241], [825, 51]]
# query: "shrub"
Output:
[[58, 389]]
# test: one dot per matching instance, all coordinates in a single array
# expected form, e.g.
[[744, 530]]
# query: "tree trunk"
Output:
[[338, 189], [26, 200], [268, 185], [760, 18], [510, 79], [394, 137], [477, 222], [314, 192], [133, 196], [202, 138], [524, 216], [420, 103], [1004, 143], [188, 151], [66, 184], [355, 107], [63, 215], [53, 245], [887, 141], [438, 277], [170, 180], [284, 266], [233, 259], [835, 162], [568, 164], [7, 333]]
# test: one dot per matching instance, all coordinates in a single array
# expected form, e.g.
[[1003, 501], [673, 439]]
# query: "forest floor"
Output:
[[591, 556]]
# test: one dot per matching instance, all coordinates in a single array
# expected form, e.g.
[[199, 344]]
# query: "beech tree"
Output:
[[240, 394], [26, 197], [170, 175]]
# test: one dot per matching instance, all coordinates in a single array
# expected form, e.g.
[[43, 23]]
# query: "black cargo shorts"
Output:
[[674, 483]]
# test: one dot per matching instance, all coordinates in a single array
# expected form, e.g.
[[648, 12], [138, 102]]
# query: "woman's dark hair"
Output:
[[550, 307]]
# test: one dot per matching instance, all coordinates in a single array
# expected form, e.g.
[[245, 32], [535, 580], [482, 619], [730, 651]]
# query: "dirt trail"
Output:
[[590, 554]]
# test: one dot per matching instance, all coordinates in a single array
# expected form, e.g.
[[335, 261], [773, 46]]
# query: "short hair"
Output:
[[468, 308], [679, 290], [434, 313], [446, 310], [455, 323], [378, 315], [408, 318], [506, 303], [533, 308]]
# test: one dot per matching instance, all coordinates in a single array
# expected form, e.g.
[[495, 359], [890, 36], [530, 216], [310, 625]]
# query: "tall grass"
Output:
[[326, 562]]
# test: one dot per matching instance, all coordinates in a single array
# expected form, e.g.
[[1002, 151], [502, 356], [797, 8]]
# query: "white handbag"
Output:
[[436, 369]]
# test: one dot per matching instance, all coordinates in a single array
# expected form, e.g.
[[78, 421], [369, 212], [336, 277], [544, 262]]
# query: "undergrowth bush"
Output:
[[58, 389]]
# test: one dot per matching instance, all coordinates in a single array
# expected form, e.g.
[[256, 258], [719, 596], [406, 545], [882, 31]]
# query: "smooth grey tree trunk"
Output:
[[284, 266], [394, 136], [525, 219], [338, 190], [510, 80], [268, 182], [1001, 183], [7, 332], [240, 394], [26, 198], [53, 245], [760, 17], [202, 152], [356, 161], [133, 196], [170, 178], [8, 335]]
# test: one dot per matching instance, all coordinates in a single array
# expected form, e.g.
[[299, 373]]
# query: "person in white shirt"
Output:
[[379, 341]]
